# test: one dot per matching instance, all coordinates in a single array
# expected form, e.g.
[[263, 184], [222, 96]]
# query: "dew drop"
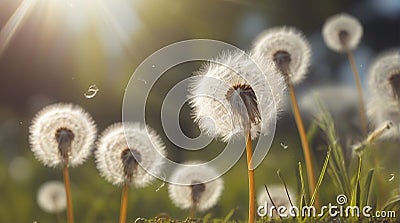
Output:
[[284, 146], [91, 92]]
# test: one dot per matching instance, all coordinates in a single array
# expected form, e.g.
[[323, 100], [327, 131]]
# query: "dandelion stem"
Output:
[[124, 201], [361, 107], [192, 213], [70, 212], [250, 171], [304, 141], [58, 217]]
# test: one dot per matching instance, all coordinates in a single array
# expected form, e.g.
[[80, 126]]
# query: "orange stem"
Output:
[[250, 172], [124, 201], [304, 142], [70, 212], [361, 107]]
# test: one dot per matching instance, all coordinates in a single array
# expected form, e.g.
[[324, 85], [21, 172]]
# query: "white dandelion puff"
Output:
[[120, 164], [232, 92], [288, 48], [62, 134], [195, 192], [384, 86], [279, 197], [51, 197], [342, 32], [384, 77]]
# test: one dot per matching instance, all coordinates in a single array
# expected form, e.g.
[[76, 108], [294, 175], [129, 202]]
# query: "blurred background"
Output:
[[52, 51]]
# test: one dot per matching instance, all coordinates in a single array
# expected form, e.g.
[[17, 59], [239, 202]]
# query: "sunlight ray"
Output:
[[110, 19], [13, 23]]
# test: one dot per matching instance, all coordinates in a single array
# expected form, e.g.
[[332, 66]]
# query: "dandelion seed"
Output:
[[91, 92], [287, 48], [279, 198], [51, 197], [342, 32], [195, 194], [119, 164], [140, 220], [62, 134], [284, 146], [391, 177], [162, 185]]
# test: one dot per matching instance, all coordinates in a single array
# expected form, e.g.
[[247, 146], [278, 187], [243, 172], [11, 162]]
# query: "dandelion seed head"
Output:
[[119, 164], [195, 192], [384, 85], [342, 32], [278, 195], [232, 93], [288, 48], [243, 93], [62, 133], [51, 197], [384, 77]]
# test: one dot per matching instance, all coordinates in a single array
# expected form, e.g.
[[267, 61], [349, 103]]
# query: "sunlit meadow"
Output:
[[328, 73]]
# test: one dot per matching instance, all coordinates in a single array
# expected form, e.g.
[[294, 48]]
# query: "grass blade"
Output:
[[303, 191], [229, 215], [367, 188], [356, 185], [321, 176]]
